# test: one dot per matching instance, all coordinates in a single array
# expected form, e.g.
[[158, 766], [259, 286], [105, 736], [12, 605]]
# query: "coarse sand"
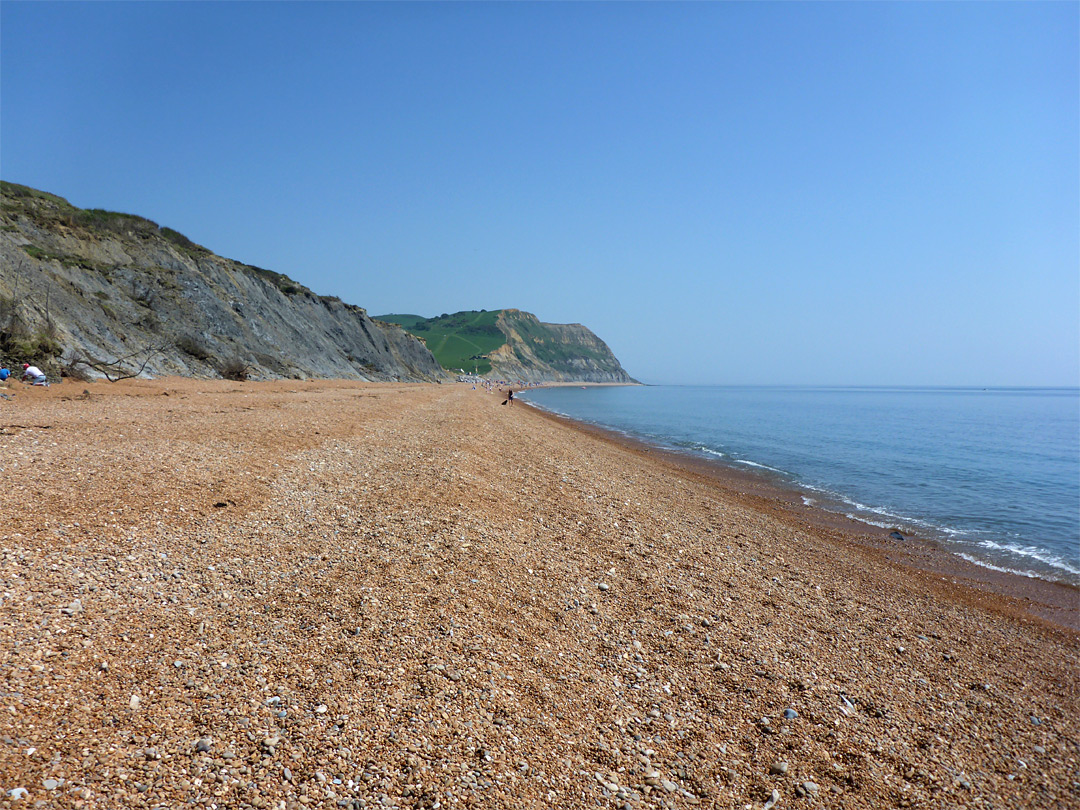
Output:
[[332, 594]]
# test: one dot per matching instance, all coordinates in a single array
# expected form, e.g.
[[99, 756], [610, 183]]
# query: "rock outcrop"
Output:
[[552, 352], [97, 291]]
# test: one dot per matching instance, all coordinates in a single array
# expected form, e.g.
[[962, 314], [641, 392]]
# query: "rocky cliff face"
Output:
[[97, 290], [552, 352]]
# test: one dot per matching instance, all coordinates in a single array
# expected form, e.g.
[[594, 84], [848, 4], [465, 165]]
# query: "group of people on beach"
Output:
[[31, 374]]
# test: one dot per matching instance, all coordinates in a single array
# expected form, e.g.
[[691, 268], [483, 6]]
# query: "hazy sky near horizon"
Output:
[[788, 193]]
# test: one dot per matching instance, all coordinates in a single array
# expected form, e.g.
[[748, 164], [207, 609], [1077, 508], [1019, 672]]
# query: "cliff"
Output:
[[514, 345], [92, 292]]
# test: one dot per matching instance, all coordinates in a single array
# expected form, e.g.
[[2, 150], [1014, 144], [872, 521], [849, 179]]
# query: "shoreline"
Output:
[[1055, 603]]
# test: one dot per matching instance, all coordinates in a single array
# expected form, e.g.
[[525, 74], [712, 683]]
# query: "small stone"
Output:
[[774, 797], [778, 768], [1038, 749], [73, 609], [1035, 720], [652, 778], [668, 785], [51, 784], [151, 754], [321, 709], [810, 788], [18, 793], [134, 702], [603, 586], [790, 714], [203, 744]]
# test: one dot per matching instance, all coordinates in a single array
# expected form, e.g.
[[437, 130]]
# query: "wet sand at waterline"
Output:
[[330, 594]]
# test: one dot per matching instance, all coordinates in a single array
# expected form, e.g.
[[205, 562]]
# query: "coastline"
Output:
[[923, 557], [296, 594]]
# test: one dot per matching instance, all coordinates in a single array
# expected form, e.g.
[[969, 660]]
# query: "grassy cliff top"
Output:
[[51, 212]]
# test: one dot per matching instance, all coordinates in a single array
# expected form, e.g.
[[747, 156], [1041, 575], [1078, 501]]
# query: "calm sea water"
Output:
[[994, 473]]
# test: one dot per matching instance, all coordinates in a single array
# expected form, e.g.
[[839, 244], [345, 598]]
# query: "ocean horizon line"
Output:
[[861, 387]]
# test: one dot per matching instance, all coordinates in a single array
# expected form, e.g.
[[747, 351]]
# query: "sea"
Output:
[[992, 474]]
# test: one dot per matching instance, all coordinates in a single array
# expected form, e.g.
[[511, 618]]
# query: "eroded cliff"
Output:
[[93, 291]]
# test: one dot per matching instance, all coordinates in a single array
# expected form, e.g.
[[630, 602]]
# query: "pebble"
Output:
[[270, 743], [603, 586], [790, 714], [778, 768], [51, 784], [203, 744], [810, 788], [18, 793], [774, 797]]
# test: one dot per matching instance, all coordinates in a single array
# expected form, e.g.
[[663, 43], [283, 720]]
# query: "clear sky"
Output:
[[833, 193]]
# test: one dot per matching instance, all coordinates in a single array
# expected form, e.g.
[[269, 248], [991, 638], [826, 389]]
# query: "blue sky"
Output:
[[803, 193]]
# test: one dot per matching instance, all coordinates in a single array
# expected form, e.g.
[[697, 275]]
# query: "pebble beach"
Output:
[[332, 594]]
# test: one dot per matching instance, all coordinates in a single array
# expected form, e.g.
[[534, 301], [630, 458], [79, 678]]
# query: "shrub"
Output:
[[182, 241], [234, 369], [189, 344]]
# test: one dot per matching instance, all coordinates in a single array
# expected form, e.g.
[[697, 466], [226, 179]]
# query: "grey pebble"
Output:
[[204, 744], [790, 714], [778, 768], [51, 784]]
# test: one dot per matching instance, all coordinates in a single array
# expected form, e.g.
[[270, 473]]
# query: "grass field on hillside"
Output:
[[457, 340]]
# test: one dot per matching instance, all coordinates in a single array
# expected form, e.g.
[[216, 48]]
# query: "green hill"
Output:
[[459, 341], [514, 345]]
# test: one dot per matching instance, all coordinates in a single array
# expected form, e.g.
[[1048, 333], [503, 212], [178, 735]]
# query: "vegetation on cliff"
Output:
[[514, 344]]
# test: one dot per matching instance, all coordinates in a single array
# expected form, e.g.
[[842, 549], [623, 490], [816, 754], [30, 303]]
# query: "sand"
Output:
[[331, 594]]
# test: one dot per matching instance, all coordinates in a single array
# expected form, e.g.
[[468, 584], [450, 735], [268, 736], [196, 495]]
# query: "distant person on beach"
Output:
[[34, 375], [4, 374], [510, 397]]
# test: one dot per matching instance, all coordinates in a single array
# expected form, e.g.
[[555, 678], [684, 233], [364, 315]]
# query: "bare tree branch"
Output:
[[114, 370]]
